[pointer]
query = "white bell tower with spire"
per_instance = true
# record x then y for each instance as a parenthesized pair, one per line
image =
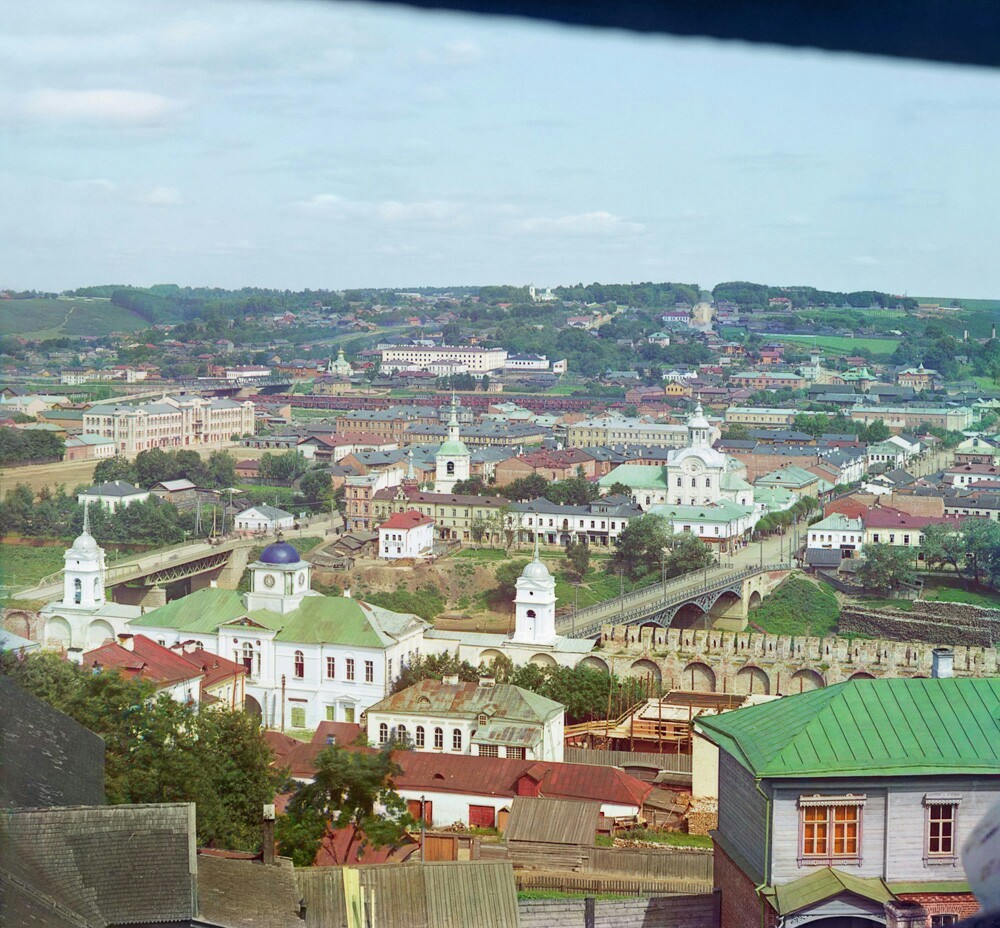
(535, 605)
(83, 575)
(453, 460)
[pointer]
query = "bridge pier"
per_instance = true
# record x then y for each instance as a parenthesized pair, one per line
(232, 571)
(149, 597)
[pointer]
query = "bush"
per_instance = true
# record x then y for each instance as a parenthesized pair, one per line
(798, 607)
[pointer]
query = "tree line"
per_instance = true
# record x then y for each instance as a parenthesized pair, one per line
(22, 446)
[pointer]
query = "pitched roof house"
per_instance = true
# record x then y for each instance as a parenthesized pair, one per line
(843, 800)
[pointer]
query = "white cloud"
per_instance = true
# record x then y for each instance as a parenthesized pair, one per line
(598, 223)
(161, 196)
(119, 107)
(386, 212)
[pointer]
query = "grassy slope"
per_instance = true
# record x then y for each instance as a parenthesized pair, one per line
(42, 318)
(798, 607)
(22, 566)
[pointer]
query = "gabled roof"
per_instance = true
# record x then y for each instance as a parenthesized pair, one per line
(146, 660)
(887, 727)
(502, 701)
(824, 884)
(553, 821)
(113, 488)
(407, 520)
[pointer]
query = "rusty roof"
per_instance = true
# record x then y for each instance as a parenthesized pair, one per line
(502, 701)
(553, 821)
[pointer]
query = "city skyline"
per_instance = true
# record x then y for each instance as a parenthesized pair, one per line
(339, 145)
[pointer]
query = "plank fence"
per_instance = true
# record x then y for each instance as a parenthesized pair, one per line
(601, 885)
(682, 864)
(680, 763)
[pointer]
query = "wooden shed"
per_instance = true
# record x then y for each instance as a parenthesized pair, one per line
(552, 834)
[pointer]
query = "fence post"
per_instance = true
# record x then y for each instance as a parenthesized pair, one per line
(589, 912)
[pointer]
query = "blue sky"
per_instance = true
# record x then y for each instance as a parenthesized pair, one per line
(301, 144)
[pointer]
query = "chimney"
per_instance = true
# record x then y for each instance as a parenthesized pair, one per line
(487, 681)
(450, 679)
(904, 914)
(942, 663)
(127, 641)
(267, 834)
(74, 655)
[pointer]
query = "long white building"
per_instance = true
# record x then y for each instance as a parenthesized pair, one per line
(476, 360)
(184, 422)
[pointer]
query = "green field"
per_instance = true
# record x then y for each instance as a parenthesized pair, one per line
(43, 318)
(974, 305)
(22, 566)
(835, 343)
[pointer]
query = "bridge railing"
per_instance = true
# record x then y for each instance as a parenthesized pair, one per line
(652, 599)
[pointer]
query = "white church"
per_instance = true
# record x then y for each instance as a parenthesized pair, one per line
(309, 657)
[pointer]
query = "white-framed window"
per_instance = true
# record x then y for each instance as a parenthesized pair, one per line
(483, 719)
(369, 671)
(830, 828)
(419, 740)
(383, 733)
(940, 821)
(300, 665)
(489, 750)
(331, 668)
(349, 668)
(438, 739)
(456, 740)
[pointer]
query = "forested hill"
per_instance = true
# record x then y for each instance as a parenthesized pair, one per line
(755, 296)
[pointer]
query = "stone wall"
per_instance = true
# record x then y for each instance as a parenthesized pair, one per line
(936, 623)
(24, 622)
(698, 911)
(742, 662)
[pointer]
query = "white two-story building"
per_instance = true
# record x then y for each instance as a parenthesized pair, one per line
(309, 657)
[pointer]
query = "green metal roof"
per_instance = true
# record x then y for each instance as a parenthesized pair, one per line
(453, 448)
(636, 476)
(887, 727)
(824, 884)
(722, 512)
(791, 476)
(318, 620)
(201, 612)
(731, 481)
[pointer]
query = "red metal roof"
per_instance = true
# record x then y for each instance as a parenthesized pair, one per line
(407, 520)
(216, 669)
(884, 517)
(490, 776)
(342, 732)
(146, 660)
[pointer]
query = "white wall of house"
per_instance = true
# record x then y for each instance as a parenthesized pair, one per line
(406, 543)
(252, 520)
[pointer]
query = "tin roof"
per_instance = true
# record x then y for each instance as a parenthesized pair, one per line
(887, 727)
(823, 884)
(501, 702)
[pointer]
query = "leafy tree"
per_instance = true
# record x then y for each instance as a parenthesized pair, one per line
(620, 489)
(158, 750)
(875, 432)
(525, 488)
(477, 529)
(736, 432)
(982, 549)
(19, 446)
(283, 467)
(687, 553)
(944, 545)
(574, 491)
(885, 567)
(578, 555)
(221, 470)
(433, 667)
(350, 788)
(474, 486)
(506, 576)
(639, 547)
(317, 487)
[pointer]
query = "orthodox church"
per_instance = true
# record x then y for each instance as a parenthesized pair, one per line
(309, 657)
(453, 459)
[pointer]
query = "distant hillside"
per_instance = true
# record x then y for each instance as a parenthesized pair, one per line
(69, 316)
(755, 296)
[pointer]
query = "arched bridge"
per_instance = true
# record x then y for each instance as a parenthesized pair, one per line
(131, 581)
(716, 598)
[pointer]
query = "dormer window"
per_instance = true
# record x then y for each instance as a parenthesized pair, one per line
(483, 719)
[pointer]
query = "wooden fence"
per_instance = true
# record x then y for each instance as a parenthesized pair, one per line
(689, 866)
(680, 763)
(599, 885)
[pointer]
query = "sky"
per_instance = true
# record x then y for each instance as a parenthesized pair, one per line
(334, 144)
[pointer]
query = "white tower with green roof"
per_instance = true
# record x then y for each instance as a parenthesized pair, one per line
(453, 460)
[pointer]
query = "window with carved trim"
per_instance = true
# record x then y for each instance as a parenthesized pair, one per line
(940, 818)
(830, 828)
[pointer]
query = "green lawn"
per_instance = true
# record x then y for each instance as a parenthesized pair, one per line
(44, 318)
(22, 567)
(987, 383)
(798, 607)
(835, 343)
